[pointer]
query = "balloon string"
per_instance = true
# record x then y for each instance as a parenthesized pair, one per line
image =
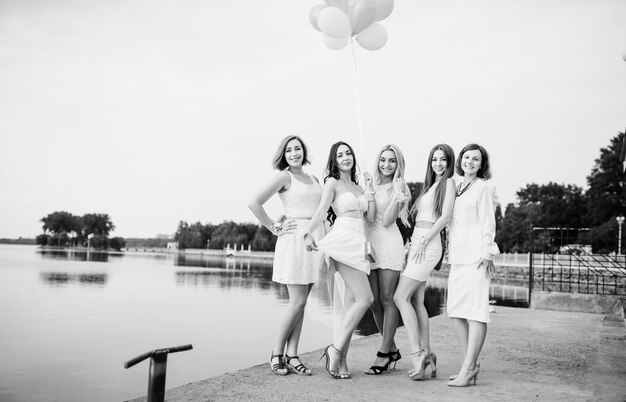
(358, 106)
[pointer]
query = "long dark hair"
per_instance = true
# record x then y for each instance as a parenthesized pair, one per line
(431, 178)
(332, 170)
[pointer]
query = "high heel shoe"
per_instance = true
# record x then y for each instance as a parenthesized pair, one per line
(464, 382)
(300, 369)
(432, 360)
(376, 370)
(452, 377)
(278, 368)
(346, 374)
(420, 360)
(394, 356)
(332, 368)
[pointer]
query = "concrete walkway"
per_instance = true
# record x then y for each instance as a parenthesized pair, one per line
(529, 355)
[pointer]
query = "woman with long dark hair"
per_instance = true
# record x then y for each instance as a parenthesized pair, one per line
(432, 210)
(344, 245)
(294, 266)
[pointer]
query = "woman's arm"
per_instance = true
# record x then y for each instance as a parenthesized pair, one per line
(278, 182)
(328, 194)
(487, 221)
(393, 208)
(370, 214)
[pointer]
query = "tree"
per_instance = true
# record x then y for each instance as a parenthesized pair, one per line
(606, 196)
(263, 240)
(228, 233)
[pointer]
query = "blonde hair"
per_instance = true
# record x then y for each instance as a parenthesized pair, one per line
(403, 214)
(431, 179)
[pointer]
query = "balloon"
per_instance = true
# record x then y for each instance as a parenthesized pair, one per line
(333, 22)
(624, 55)
(383, 9)
(336, 43)
(341, 4)
(314, 13)
(372, 38)
(362, 13)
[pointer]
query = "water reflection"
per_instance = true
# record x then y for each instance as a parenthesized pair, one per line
(63, 278)
(77, 255)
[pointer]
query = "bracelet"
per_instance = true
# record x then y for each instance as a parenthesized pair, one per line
(400, 197)
(422, 241)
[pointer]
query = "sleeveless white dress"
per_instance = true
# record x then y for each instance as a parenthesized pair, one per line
(345, 242)
(386, 241)
(293, 264)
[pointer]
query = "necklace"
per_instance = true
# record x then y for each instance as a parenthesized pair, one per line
(462, 189)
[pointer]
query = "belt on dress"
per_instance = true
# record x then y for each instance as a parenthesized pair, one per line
(298, 217)
(352, 214)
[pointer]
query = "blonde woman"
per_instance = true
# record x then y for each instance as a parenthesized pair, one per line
(391, 198)
(294, 266)
(432, 210)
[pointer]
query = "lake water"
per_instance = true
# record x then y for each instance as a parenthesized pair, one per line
(71, 319)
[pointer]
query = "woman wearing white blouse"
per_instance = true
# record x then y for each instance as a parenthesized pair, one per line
(470, 254)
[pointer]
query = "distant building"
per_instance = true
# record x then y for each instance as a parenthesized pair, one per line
(172, 246)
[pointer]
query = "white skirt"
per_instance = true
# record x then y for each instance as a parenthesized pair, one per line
(468, 292)
(420, 271)
(293, 264)
(345, 243)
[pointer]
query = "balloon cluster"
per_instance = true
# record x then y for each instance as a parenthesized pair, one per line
(341, 20)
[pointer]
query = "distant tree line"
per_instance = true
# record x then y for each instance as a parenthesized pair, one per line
(569, 206)
(21, 240)
(64, 229)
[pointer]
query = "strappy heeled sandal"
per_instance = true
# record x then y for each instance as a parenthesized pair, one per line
(394, 356)
(333, 369)
(300, 369)
(278, 368)
(376, 370)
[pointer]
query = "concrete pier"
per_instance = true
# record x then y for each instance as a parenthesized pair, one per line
(529, 355)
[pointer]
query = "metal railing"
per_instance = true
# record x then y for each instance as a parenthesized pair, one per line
(567, 262)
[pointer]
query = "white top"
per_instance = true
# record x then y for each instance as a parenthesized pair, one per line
(301, 200)
(473, 226)
(426, 206)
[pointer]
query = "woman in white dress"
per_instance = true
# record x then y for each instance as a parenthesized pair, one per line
(432, 211)
(392, 197)
(470, 254)
(344, 245)
(294, 266)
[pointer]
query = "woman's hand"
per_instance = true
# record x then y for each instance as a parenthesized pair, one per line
(287, 226)
(490, 268)
(418, 255)
(398, 185)
(369, 183)
(309, 243)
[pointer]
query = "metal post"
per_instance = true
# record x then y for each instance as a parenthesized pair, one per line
(619, 234)
(530, 267)
(158, 369)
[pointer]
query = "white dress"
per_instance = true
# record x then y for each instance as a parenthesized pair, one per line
(472, 232)
(345, 242)
(293, 264)
(386, 241)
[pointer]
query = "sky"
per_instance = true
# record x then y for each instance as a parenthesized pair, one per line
(160, 111)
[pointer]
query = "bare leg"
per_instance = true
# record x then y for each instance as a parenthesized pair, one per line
(356, 281)
(475, 342)
(402, 299)
(422, 318)
(289, 321)
(384, 283)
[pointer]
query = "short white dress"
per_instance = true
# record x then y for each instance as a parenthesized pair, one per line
(420, 271)
(472, 232)
(293, 264)
(345, 242)
(386, 240)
